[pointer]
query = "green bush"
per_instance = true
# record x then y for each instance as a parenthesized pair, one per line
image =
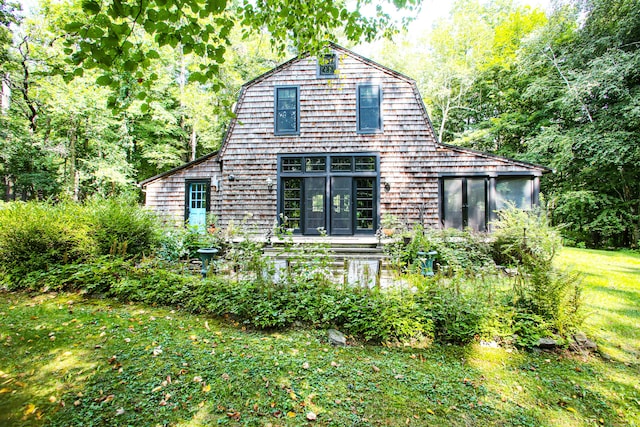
(525, 240)
(119, 226)
(39, 236)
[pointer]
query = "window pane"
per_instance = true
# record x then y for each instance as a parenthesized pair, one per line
(514, 190)
(287, 121)
(365, 164)
(291, 164)
(291, 203)
(286, 110)
(369, 108)
(315, 164)
(452, 204)
(341, 164)
(364, 203)
(327, 65)
(477, 204)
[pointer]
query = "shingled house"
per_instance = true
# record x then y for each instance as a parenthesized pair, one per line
(335, 144)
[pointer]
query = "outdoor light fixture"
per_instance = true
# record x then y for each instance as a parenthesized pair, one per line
(269, 184)
(232, 177)
(386, 186)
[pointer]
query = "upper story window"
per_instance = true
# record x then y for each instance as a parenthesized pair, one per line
(368, 115)
(287, 108)
(327, 65)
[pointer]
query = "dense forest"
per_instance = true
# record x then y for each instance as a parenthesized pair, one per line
(98, 96)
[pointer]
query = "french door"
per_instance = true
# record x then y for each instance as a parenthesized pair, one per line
(464, 203)
(334, 193)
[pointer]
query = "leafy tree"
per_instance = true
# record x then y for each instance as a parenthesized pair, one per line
(116, 33)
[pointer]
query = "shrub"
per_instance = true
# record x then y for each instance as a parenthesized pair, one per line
(38, 236)
(456, 307)
(528, 242)
(119, 226)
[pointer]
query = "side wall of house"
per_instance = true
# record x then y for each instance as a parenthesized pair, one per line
(166, 195)
(410, 159)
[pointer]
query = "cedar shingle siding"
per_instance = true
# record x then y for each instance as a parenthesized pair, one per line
(411, 159)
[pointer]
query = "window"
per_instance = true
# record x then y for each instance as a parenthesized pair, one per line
(287, 106)
(517, 191)
(368, 115)
(464, 203)
(327, 65)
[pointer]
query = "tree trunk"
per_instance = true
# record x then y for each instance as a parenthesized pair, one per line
(194, 142)
(73, 180)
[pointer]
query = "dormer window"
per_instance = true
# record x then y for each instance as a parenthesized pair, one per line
(327, 65)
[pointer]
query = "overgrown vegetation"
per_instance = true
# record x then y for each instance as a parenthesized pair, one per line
(66, 359)
(114, 248)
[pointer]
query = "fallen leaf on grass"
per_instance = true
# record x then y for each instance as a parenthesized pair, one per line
(375, 368)
(5, 390)
(206, 388)
(291, 414)
(30, 409)
(311, 416)
(120, 411)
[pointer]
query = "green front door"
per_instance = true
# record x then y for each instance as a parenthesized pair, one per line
(197, 204)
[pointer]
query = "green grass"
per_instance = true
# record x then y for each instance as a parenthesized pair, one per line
(101, 370)
(611, 299)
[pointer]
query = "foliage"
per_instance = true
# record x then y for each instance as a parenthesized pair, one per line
(457, 307)
(457, 251)
(41, 238)
(525, 240)
(120, 227)
(38, 236)
(109, 35)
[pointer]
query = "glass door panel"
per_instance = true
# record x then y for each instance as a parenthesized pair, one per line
(341, 205)
(314, 204)
(452, 209)
(365, 203)
(476, 204)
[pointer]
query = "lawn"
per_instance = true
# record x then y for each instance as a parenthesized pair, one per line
(66, 360)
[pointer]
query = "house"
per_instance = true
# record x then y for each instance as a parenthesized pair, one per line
(334, 144)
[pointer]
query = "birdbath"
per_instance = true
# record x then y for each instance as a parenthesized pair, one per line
(426, 262)
(206, 255)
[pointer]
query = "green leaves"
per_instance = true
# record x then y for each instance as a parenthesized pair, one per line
(91, 6)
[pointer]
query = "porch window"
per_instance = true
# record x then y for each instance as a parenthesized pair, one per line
(287, 107)
(516, 191)
(368, 114)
